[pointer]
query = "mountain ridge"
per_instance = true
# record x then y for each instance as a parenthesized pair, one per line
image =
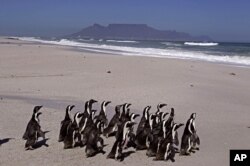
(134, 32)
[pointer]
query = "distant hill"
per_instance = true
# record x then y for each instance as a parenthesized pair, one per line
(134, 32)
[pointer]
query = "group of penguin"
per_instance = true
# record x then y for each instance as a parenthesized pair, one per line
(155, 133)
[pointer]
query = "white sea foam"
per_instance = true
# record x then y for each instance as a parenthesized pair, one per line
(171, 44)
(150, 52)
(122, 41)
(201, 44)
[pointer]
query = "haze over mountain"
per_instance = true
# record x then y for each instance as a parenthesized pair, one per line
(133, 32)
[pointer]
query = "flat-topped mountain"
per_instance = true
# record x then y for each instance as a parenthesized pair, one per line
(134, 32)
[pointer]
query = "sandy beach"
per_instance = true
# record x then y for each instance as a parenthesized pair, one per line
(55, 76)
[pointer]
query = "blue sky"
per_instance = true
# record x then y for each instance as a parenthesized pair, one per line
(223, 20)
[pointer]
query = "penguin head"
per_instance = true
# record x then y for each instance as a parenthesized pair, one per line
(104, 105)
(68, 112)
(118, 110)
(88, 105)
(193, 116)
(160, 105)
(133, 116)
(36, 114)
(172, 112)
(146, 112)
(37, 108)
(77, 118)
(126, 108)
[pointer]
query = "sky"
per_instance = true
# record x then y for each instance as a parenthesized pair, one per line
(222, 20)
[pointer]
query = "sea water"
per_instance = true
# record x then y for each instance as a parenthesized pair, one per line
(220, 52)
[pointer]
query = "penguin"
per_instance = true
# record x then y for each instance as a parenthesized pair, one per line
(123, 137)
(113, 124)
(65, 123)
(72, 135)
(143, 130)
(133, 116)
(189, 137)
(88, 107)
(143, 120)
(159, 107)
(166, 150)
(85, 129)
(95, 142)
(125, 115)
(103, 115)
(33, 129)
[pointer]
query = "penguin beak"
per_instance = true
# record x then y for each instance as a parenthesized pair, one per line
(163, 105)
(72, 106)
(92, 101)
(37, 108)
(128, 104)
(165, 114)
(137, 115)
(108, 102)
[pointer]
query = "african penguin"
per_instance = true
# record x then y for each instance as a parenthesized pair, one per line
(189, 137)
(33, 129)
(88, 107)
(143, 120)
(113, 124)
(72, 135)
(103, 115)
(123, 137)
(125, 112)
(65, 123)
(95, 142)
(166, 149)
(159, 107)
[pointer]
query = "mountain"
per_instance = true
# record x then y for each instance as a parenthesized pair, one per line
(134, 32)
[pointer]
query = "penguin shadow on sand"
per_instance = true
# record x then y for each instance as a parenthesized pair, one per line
(126, 154)
(5, 140)
(40, 143)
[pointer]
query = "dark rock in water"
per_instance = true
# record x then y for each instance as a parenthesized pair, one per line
(109, 71)
(133, 32)
(192, 85)
(232, 74)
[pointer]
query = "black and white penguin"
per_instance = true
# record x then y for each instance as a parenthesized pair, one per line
(166, 149)
(73, 134)
(103, 115)
(125, 115)
(143, 120)
(113, 124)
(143, 130)
(88, 107)
(85, 129)
(65, 123)
(95, 142)
(190, 138)
(33, 129)
(157, 113)
(123, 137)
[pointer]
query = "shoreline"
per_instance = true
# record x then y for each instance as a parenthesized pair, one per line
(98, 50)
(55, 76)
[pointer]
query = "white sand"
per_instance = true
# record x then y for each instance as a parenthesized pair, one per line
(55, 76)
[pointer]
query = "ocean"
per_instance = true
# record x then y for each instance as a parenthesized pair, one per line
(221, 52)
